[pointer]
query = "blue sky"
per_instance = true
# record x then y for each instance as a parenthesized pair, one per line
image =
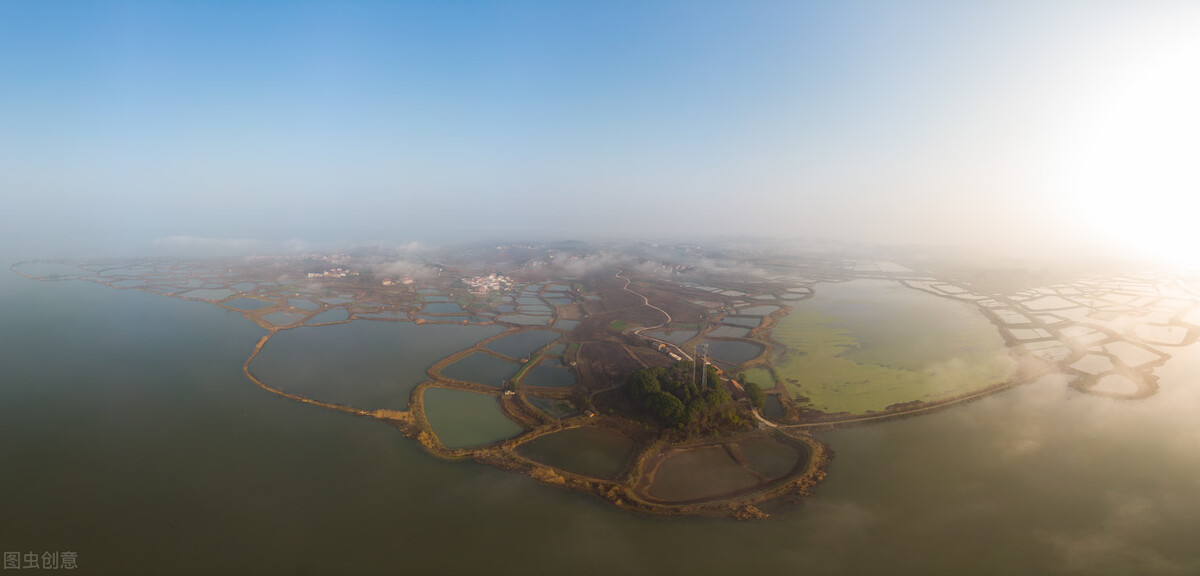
(123, 123)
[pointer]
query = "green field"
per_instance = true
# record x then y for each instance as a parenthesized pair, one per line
(762, 377)
(863, 345)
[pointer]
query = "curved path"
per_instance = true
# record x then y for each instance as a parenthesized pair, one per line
(646, 301)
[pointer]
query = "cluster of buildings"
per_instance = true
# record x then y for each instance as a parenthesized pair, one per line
(489, 283)
(338, 272)
(403, 281)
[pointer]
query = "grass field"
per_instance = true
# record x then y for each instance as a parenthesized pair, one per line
(864, 345)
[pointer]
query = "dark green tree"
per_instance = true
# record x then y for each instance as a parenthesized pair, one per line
(756, 395)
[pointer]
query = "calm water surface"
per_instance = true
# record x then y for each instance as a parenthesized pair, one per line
(592, 451)
(131, 437)
(462, 419)
(523, 344)
(363, 364)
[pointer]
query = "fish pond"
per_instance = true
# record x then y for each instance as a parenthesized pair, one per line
(366, 365)
(524, 320)
(733, 352)
(247, 304)
(549, 373)
(481, 368)
(331, 315)
(523, 344)
(747, 321)
(463, 419)
(586, 450)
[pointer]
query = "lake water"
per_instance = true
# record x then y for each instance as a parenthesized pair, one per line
(132, 438)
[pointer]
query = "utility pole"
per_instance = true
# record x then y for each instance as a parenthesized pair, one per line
(697, 358)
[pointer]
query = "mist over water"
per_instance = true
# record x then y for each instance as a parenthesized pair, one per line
(144, 448)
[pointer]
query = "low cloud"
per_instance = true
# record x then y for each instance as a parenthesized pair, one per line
(729, 267)
(208, 243)
(409, 268)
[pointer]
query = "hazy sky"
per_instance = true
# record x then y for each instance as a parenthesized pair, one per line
(144, 126)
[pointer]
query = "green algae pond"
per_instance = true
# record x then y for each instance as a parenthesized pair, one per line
(866, 344)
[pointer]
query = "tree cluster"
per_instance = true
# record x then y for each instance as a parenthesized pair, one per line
(753, 391)
(677, 398)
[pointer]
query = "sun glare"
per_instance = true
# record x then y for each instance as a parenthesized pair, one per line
(1133, 170)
